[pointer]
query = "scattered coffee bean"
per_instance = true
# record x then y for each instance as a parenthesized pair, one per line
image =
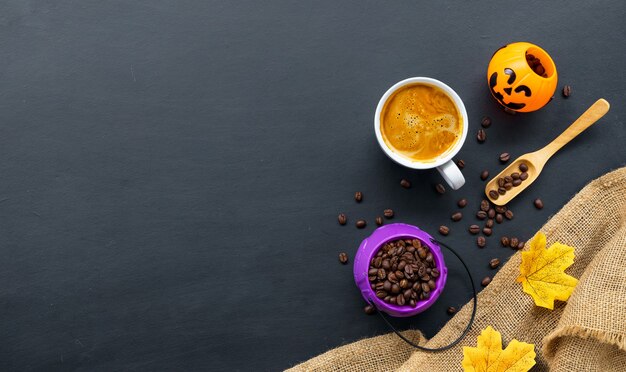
(379, 221)
(481, 215)
(489, 223)
(342, 219)
(444, 230)
(481, 136)
(369, 310)
(358, 196)
(405, 183)
(505, 241)
(538, 203)
(485, 282)
(361, 224)
(523, 176)
(494, 263)
(484, 205)
(343, 258)
(493, 194)
(504, 157)
(484, 175)
(567, 91)
(474, 229)
(486, 122)
(499, 218)
(440, 188)
(456, 216)
(508, 214)
(509, 111)
(520, 245)
(451, 310)
(514, 243)
(487, 231)
(500, 209)
(491, 213)
(388, 213)
(481, 242)
(462, 203)
(461, 163)
(523, 167)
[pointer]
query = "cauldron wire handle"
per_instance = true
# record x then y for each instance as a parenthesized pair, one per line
(469, 325)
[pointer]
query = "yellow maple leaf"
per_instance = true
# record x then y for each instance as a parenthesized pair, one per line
(542, 272)
(488, 356)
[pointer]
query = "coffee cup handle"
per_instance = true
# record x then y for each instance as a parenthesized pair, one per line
(452, 174)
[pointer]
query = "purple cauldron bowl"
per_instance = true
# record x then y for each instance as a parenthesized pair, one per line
(368, 248)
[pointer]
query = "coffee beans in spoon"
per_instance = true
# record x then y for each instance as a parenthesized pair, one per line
(403, 272)
(508, 182)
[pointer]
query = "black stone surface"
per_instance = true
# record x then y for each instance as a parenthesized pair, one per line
(171, 171)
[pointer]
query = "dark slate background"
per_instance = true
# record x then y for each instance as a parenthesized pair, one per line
(171, 171)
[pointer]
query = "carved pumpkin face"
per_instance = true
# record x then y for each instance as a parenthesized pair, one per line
(514, 84)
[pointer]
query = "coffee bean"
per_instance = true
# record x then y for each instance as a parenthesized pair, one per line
(421, 252)
(395, 288)
(369, 309)
(509, 111)
(489, 223)
(520, 245)
(444, 230)
(540, 70)
(481, 136)
(429, 257)
(342, 219)
(523, 167)
(487, 231)
(425, 287)
(501, 182)
(392, 300)
(451, 310)
(372, 271)
(517, 182)
(481, 242)
(508, 214)
(500, 209)
(567, 91)
(509, 185)
(501, 190)
(404, 284)
(538, 203)
(493, 194)
(379, 221)
(381, 294)
(361, 224)
(343, 258)
(462, 203)
(523, 176)
(474, 229)
(432, 284)
(440, 188)
(358, 196)
(412, 303)
(499, 218)
(494, 263)
(382, 274)
(460, 163)
(485, 282)
(505, 241)
(387, 285)
(435, 273)
(378, 261)
(400, 300)
(484, 175)
(486, 122)
(388, 213)
(456, 216)
(481, 215)
(484, 205)
(491, 213)
(515, 175)
(405, 183)
(504, 157)
(514, 243)
(416, 243)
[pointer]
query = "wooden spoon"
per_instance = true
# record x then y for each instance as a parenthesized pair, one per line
(536, 160)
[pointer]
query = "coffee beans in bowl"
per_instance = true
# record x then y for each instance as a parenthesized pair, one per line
(403, 272)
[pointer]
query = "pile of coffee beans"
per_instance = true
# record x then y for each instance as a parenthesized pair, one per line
(508, 182)
(535, 65)
(403, 272)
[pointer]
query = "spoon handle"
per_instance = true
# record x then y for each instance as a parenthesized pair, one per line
(593, 114)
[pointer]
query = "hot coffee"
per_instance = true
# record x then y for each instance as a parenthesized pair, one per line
(420, 122)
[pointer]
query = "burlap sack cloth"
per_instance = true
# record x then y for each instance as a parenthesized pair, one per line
(588, 333)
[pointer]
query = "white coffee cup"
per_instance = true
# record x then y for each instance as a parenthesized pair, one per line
(444, 164)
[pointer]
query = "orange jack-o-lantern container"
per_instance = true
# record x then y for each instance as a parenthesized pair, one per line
(522, 77)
